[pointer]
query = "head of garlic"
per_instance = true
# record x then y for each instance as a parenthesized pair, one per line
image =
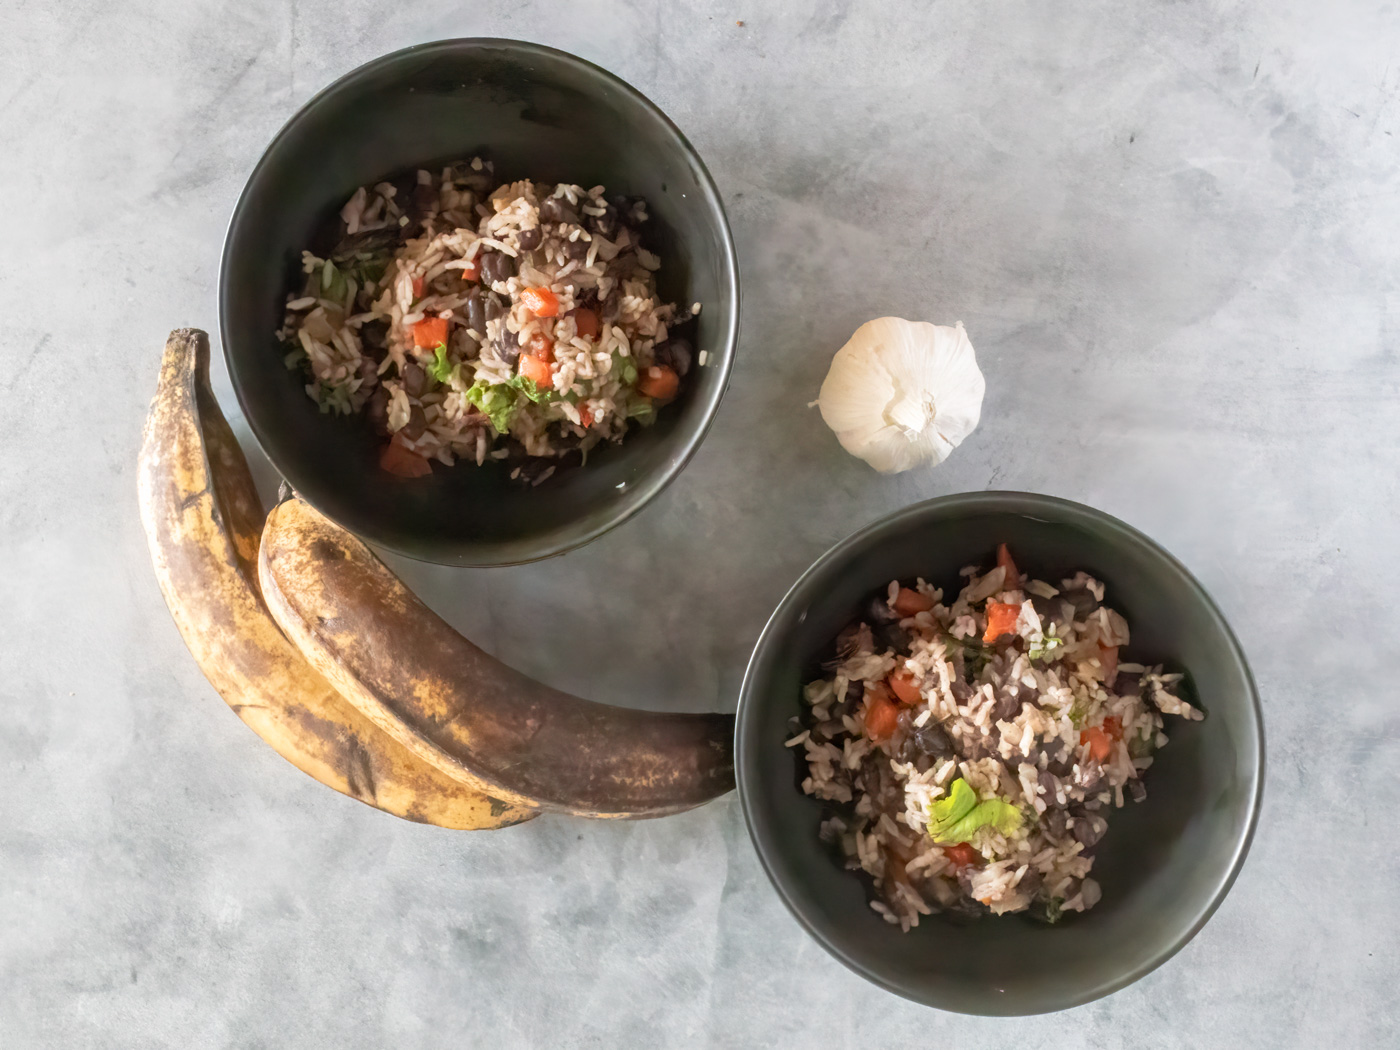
(902, 393)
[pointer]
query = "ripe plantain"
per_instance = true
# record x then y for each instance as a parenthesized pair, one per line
(203, 522)
(465, 712)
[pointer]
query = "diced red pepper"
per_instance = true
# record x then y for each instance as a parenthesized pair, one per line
(1001, 619)
(1100, 746)
(909, 602)
(533, 368)
(470, 272)
(881, 715)
(585, 416)
(904, 687)
(398, 460)
(586, 321)
(429, 332)
(542, 346)
(418, 287)
(1113, 726)
(1013, 577)
(1108, 660)
(659, 382)
(540, 301)
(962, 855)
(896, 870)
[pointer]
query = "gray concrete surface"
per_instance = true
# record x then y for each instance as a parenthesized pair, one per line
(1171, 232)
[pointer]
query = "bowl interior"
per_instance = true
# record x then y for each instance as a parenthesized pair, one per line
(1164, 864)
(538, 114)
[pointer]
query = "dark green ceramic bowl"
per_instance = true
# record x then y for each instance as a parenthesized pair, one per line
(1164, 865)
(539, 114)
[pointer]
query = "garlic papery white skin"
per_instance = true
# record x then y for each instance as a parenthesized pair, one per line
(902, 393)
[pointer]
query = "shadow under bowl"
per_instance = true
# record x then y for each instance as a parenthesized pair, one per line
(1165, 864)
(538, 114)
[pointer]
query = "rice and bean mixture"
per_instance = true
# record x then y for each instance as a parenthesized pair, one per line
(480, 321)
(971, 750)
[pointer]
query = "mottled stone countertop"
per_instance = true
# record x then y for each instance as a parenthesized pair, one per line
(1171, 231)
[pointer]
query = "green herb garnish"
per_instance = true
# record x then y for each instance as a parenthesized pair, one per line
(333, 284)
(530, 389)
(497, 400)
(440, 369)
(959, 816)
(1050, 911)
(1143, 744)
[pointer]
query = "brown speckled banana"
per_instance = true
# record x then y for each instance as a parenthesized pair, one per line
(465, 712)
(204, 522)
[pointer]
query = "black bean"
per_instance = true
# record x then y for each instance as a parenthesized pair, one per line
(676, 354)
(848, 640)
(377, 410)
(508, 345)
(368, 369)
(415, 380)
(933, 740)
(425, 198)
(587, 298)
(1089, 778)
(855, 693)
(1046, 608)
(1058, 759)
(606, 224)
(577, 250)
(965, 879)
(1137, 790)
(905, 749)
(1128, 683)
(612, 306)
(530, 239)
(476, 312)
(1082, 601)
(375, 336)
(495, 266)
(1030, 882)
(1053, 823)
(555, 210)
(494, 309)
(1008, 706)
(893, 636)
(1088, 829)
(1049, 784)
(417, 423)
(479, 181)
(962, 691)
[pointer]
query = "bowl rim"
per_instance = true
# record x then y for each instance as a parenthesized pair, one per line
(652, 482)
(1027, 503)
